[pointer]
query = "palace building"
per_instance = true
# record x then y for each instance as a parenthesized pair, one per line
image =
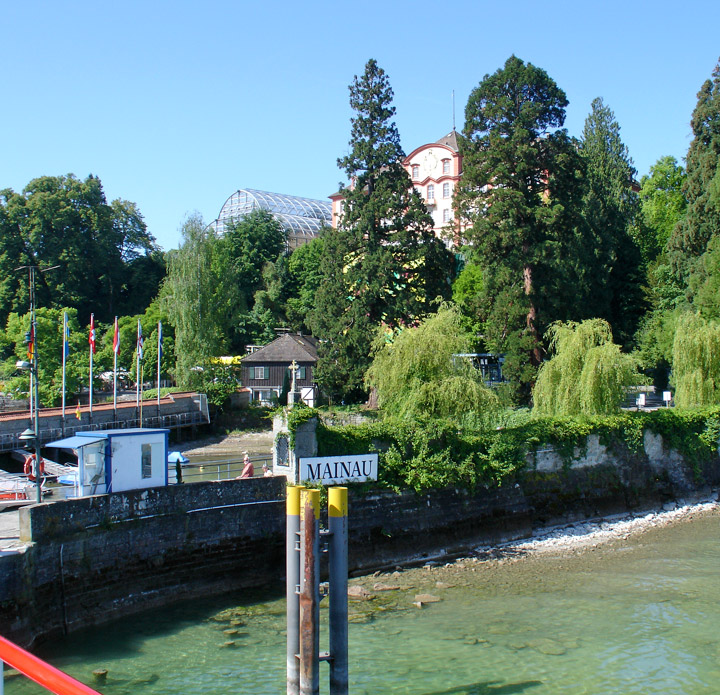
(435, 169)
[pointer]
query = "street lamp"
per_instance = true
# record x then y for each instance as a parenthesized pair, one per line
(31, 437)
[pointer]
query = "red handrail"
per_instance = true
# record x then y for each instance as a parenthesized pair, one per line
(49, 677)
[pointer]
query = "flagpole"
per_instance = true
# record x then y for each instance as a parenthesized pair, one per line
(92, 350)
(64, 363)
(158, 366)
(116, 348)
(138, 350)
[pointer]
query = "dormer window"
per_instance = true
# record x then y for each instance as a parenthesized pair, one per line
(446, 166)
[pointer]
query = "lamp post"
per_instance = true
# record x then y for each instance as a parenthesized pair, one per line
(32, 366)
(29, 436)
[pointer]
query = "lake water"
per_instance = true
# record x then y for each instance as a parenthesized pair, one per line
(637, 616)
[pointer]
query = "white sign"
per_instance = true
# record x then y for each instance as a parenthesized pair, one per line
(667, 396)
(330, 470)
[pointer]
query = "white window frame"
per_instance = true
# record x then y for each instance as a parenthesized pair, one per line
(446, 190)
(446, 215)
(446, 166)
(415, 172)
(431, 192)
(263, 371)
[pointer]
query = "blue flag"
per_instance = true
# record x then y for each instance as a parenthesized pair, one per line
(66, 335)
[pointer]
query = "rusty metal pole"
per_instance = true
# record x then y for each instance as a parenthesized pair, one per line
(310, 593)
(292, 581)
(338, 576)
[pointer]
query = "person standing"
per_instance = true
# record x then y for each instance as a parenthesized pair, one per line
(248, 469)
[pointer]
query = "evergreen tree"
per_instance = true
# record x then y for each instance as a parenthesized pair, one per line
(520, 178)
(701, 223)
(610, 208)
(383, 263)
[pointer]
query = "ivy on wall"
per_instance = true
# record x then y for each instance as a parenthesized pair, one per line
(432, 454)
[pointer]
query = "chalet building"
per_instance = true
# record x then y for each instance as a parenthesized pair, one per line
(264, 370)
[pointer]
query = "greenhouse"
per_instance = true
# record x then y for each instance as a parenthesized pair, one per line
(301, 218)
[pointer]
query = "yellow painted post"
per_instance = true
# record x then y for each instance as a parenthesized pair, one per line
(292, 587)
(338, 581)
(310, 593)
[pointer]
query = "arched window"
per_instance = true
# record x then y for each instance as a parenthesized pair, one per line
(431, 192)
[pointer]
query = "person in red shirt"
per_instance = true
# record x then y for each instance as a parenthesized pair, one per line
(248, 469)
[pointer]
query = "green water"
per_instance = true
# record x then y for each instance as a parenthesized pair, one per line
(637, 616)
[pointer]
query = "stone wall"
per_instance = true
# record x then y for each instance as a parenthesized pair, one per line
(92, 559)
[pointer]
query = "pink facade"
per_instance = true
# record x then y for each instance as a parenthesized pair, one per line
(435, 169)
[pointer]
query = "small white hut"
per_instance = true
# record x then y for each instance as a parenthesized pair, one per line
(118, 460)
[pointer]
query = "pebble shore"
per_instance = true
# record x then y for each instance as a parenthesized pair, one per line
(595, 532)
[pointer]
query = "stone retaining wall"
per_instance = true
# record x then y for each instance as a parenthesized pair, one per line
(92, 559)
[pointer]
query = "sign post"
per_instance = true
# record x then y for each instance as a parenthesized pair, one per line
(336, 470)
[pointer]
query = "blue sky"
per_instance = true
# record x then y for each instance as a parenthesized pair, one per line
(175, 105)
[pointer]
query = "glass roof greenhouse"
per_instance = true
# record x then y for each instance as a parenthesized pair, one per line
(301, 218)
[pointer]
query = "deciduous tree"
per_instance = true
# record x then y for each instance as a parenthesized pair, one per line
(587, 374)
(417, 372)
(696, 361)
(65, 221)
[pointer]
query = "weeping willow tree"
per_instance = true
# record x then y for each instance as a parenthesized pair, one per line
(193, 296)
(588, 373)
(414, 371)
(696, 361)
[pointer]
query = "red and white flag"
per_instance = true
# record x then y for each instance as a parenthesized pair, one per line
(91, 340)
(116, 338)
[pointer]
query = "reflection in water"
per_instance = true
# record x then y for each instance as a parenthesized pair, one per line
(637, 618)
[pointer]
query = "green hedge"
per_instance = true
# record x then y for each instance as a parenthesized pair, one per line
(433, 454)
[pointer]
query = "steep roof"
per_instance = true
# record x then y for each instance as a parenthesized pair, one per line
(286, 348)
(450, 140)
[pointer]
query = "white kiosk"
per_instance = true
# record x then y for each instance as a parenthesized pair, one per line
(118, 460)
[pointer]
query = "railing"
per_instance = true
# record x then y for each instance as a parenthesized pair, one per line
(10, 441)
(215, 470)
(49, 677)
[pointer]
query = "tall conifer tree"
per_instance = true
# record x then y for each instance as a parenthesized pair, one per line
(520, 175)
(383, 264)
(701, 223)
(611, 207)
